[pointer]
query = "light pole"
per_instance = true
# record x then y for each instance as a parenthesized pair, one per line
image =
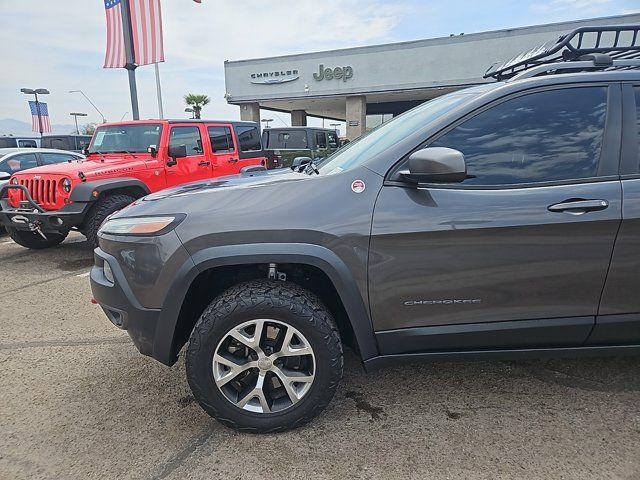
(104, 120)
(75, 116)
(266, 122)
(41, 91)
(191, 111)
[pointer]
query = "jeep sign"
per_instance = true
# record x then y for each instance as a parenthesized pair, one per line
(337, 73)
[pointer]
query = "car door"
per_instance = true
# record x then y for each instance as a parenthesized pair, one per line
(224, 155)
(618, 319)
(517, 254)
(195, 166)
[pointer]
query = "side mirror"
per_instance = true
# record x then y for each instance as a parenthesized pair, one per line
(175, 152)
(436, 165)
(5, 176)
(152, 150)
(299, 162)
(85, 151)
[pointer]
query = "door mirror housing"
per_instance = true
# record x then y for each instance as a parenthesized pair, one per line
(436, 165)
(5, 176)
(175, 152)
(299, 162)
(153, 151)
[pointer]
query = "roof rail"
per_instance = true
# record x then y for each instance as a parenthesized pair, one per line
(595, 44)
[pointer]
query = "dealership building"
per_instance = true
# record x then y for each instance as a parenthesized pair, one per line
(364, 86)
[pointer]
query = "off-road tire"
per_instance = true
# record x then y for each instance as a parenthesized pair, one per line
(103, 207)
(268, 299)
(34, 240)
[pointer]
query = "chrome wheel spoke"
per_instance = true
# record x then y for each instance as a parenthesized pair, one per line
(289, 350)
(252, 341)
(225, 370)
(295, 383)
(257, 393)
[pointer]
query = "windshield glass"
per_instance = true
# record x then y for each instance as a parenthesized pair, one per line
(125, 138)
(382, 137)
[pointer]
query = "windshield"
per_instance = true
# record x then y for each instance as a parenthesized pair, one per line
(387, 134)
(125, 138)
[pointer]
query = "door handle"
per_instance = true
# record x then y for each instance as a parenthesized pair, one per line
(204, 164)
(578, 206)
(232, 160)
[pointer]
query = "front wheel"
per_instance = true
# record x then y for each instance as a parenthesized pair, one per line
(103, 207)
(34, 240)
(265, 356)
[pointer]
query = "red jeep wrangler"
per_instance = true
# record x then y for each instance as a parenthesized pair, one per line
(125, 161)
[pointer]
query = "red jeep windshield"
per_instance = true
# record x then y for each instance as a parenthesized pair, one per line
(125, 138)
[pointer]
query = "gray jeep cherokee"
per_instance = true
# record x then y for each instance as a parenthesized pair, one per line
(500, 221)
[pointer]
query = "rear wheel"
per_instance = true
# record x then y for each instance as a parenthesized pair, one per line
(264, 357)
(34, 240)
(104, 207)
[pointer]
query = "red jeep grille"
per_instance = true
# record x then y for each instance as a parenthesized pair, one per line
(41, 190)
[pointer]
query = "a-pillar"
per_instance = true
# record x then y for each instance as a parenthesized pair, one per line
(298, 118)
(356, 116)
(250, 112)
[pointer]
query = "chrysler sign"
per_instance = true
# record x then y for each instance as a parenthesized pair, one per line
(269, 78)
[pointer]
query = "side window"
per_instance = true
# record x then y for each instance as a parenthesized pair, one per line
(248, 138)
(187, 136)
(333, 140)
(27, 143)
(321, 140)
(540, 137)
(20, 162)
(49, 158)
(221, 139)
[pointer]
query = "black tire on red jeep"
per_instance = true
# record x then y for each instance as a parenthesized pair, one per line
(104, 206)
(265, 356)
(34, 240)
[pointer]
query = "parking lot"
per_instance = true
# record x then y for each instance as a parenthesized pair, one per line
(78, 401)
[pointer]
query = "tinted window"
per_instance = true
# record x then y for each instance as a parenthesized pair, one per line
(221, 139)
(8, 143)
(321, 140)
(61, 143)
(637, 90)
(541, 137)
(19, 162)
(248, 138)
(49, 158)
(333, 140)
(282, 140)
(187, 136)
(27, 143)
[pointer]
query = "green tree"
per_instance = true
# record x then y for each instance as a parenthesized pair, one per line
(88, 129)
(196, 102)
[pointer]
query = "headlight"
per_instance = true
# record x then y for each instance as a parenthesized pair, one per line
(66, 185)
(141, 225)
(14, 181)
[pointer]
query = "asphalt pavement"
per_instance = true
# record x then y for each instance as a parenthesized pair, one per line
(78, 401)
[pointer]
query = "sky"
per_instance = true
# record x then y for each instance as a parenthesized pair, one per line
(59, 45)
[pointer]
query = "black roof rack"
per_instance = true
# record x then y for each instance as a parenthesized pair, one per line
(617, 42)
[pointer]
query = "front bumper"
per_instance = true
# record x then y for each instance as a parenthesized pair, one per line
(31, 217)
(121, 306)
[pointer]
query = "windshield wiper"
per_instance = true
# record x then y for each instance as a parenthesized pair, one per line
(310, 168)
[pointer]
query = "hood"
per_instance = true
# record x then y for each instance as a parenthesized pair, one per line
(232, 182)
(91, 167)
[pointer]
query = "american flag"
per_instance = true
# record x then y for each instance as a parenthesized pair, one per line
(42, 120)
(146, 25)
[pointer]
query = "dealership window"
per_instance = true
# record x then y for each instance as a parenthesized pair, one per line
(221, 139)
(248, 138)
(375, 119)
(546, 136)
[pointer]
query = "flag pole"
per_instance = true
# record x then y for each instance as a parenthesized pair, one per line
(39, 116)
(159, 91)
(130, 57)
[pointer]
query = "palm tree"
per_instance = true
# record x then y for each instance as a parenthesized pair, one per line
(196, 102)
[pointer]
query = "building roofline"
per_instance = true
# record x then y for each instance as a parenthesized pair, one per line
(470, 37)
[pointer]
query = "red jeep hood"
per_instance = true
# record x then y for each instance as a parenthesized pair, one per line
(114, 165)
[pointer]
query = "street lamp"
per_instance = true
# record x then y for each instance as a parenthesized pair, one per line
(191, 111)
(104, 120)
(41, 91)
(75, 116)
(266, 122)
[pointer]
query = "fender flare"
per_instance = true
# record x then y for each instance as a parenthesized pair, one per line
(83, 192)
(307, 254)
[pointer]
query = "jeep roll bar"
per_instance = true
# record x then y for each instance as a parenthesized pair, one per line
(592, 47)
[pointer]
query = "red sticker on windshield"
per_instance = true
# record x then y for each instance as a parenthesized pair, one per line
(358, 186)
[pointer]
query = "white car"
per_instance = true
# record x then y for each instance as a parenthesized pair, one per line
(13, 160)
